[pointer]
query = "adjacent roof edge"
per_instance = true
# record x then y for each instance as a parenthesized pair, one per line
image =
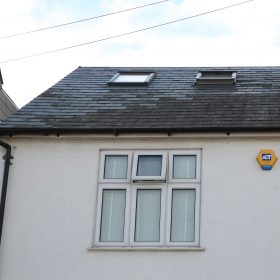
(10, 99)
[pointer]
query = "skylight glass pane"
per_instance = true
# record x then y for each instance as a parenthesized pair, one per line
(184, 167)
(113, 216)
(183, 216)
(131, 78)
(115, 167)
(216, 77)
(147, 226)
(149, 165)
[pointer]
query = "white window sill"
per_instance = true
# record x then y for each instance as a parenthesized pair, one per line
(174, 248)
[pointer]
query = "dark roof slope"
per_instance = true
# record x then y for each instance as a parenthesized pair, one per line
(83, 102)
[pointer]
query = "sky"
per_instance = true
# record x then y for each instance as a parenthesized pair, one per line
(245, 35)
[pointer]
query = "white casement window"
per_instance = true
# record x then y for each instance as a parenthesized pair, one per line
(184, 166)
(147, 215)
(115, 167)
(183, 215)
(112, 215)
(148, 199)
(149, 166)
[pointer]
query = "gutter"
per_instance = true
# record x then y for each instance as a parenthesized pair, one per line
(131, 130)
(4, 184)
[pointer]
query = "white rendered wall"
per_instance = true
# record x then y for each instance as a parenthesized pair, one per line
(50, 212)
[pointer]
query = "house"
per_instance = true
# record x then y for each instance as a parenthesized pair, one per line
(144, 173)
(7, 106)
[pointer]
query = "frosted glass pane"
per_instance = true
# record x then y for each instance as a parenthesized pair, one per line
(183, 215)
(147, 226)
(149, 165)
(184, 167)
(131, 78)
(115, 167)
(113, 216)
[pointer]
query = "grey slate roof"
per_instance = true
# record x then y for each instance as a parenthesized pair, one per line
(83, 102)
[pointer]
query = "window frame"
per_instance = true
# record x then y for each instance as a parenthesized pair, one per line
(135, 188)
(216, 77)
(196, 153)
(160, 178)
(99, 215)
(182, 186)
(166, 184)
(103, 155)
(150, 75)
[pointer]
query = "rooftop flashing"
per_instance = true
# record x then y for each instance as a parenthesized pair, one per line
(216, 78)
(131, 78)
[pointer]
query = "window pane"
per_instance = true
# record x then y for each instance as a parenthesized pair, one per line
(115, 167)
(183, 215)
(149, 165)
(131, 78)
(184, 167)
(113, 216)
(147, 226)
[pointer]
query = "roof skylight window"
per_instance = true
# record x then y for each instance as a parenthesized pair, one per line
(132, 78)
(216, 78)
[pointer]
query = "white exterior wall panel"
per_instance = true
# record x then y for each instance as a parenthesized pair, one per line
(50, 213)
